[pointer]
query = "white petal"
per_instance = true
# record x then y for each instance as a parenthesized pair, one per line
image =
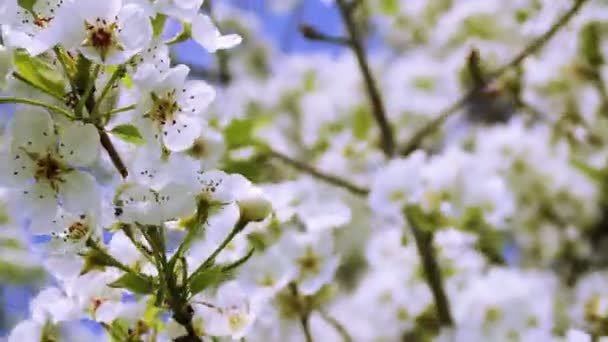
(135, 28)
(79, 144)
(26, 331)
(33, 131)
(64, 29)
(196, 97)
(176, 77)
(176, 201)
(206, 33)
(42, 202)
(181, 135)
(16, 169)
(79, 193)
(90, 10)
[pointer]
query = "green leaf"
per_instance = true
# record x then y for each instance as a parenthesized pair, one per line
(389, 7)
(589, 44)
(40, 73)
(208, 278)
(135, 283)
(594, 174)
(128, 133)
(158, 24)
(118, 330)
(27, 4)
(362, 122)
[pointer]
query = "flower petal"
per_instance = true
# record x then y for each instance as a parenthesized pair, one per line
(79, 144)
(181, 135)
(195, 97)
(79, 193)
(33, 131)
(206, 33)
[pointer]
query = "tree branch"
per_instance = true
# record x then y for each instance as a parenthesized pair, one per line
(331, 179)
(532, 48)
(432, 272)
(311, 33)
(388, 142)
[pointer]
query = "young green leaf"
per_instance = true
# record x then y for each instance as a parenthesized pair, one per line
(39, 73)
(208, 278)
(128, 133)
(135, 283)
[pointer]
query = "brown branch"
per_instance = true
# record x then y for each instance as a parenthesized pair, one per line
(107, 144)
(331, 179)
(311, 33)
(532, 48)
(432, 272)
(378, 110)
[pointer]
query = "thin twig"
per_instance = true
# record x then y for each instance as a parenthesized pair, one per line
(331, 179)
(378, 110)
(530, 49)
(336, 325)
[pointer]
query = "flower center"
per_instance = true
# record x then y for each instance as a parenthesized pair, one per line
(50, 169)
(164, 108)
(42, 21)
(102, 36)
(198, 149)
(309, 262)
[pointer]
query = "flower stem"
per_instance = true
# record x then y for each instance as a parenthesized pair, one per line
(336, 325)
(87, 91)
(118, 73)
(36, 104)
(378, 109)
(108, 115)
(304, 314)
(211, 258)
(415, 141)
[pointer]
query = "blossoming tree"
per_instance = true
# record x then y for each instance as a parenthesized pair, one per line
(446, 186)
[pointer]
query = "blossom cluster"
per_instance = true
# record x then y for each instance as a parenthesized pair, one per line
(268, 201)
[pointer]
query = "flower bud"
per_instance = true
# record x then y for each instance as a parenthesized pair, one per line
(254, 206)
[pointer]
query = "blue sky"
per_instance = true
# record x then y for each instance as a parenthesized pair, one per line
(281, 29)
